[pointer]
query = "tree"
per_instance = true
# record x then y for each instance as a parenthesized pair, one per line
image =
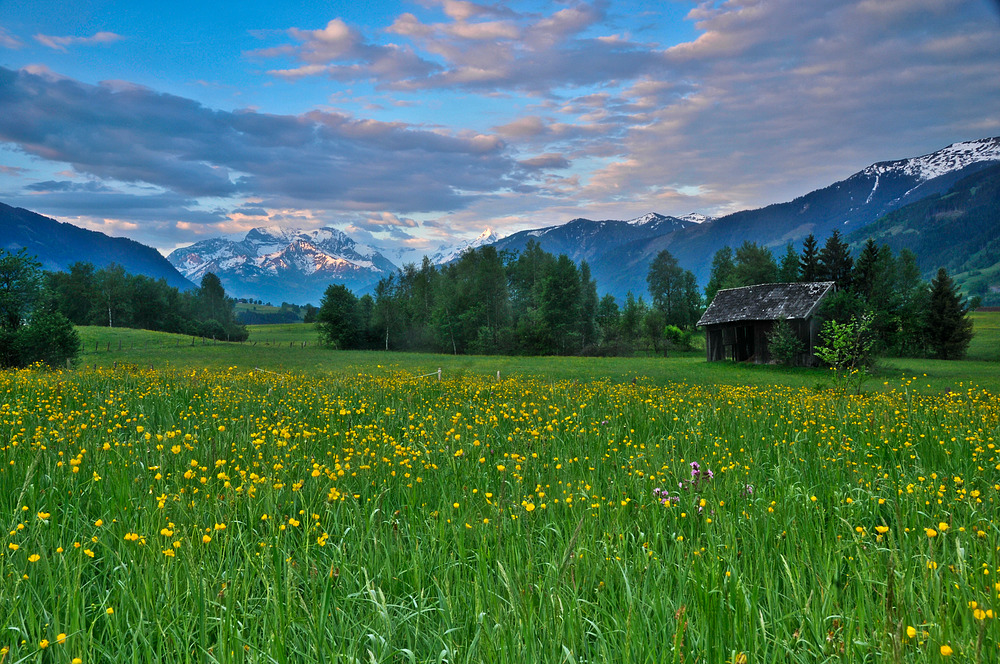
(788, 270)
(560, 305)
(949, 328)
(49, 338)
(835, 262)
(631, 318)
(722, 273)
(337, 320)
(20, 284)
(30, 333)
(674, 290)
(809, 262)
(848, 350)
(754, 265)
(784, 344)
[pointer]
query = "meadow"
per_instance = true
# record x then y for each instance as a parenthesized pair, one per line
(273, 501)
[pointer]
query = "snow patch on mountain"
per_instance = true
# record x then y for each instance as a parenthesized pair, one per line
(696, 218)
(952, 158)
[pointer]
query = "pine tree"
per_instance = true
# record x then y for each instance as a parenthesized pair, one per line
(788, 271)
(949, 328)
(809, 263)
(835, 263)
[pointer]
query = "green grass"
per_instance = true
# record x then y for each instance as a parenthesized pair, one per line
(476, 520)
(294, 347)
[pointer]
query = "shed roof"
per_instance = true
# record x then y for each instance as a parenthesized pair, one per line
(766, 302)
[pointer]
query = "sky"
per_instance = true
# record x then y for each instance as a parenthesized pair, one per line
(411, 125)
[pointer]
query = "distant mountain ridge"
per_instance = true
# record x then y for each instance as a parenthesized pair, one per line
(283, 265)
(58, 245)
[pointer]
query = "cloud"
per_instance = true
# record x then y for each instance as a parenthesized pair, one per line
(545, 161)
(61, 43)
(384, 221)
(8, 40)
(478, 47)
(775, 99)
(326, 160)
(341, 52)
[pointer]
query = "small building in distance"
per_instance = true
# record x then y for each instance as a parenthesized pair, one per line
(738, 320)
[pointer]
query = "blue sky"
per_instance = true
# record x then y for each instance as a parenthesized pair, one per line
(415, 124)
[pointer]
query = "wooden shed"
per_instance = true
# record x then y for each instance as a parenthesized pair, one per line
(738, 320)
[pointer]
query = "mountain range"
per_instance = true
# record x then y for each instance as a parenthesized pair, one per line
(939, 204)
(283, 265)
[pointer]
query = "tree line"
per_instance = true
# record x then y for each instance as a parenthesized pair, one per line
(535, 303)
(38, 309)
(489, 302)
(111, 297)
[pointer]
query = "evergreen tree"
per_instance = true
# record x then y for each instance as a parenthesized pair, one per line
(788, 271)
(809, 262)
(949, 328)
(909, 336)
(835, 262)
(608, 319)
(588, 308)
(631, 319)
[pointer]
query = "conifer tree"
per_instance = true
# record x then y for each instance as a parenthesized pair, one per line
(949, 328)
(788, 270)
(809, 262)
(835, 261)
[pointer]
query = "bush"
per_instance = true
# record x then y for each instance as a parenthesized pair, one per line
(49, 338)
(848, 350)
(784, 344)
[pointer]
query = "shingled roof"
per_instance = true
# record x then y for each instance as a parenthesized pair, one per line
(766, 302)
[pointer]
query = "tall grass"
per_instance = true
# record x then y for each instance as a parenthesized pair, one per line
(240, 515)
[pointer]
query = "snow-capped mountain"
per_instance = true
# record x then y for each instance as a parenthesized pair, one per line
(279, 264)
(696, 218)
(448, 253)
(952, 158)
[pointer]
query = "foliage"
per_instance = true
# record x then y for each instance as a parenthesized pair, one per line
(111, 296)
(754, 265)
(721, 276)
(788, 270)
(674, 291)
(949, 328)
(338, 321)
(835, 262)
(29, 331)
(784, 344)
(848, 350)
(809, 269)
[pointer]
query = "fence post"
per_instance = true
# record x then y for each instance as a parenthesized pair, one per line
(439, 374)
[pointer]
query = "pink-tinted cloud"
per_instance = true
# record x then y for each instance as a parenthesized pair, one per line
(62, 43)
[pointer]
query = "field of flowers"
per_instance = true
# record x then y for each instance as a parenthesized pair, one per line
(248, 516)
